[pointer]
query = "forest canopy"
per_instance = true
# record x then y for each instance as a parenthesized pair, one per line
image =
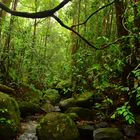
(51, 13)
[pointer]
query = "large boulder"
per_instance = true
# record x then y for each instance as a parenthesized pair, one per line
(57, 126)
(86, 131)
(129, 130)
(48, 108)
(9, 117)
(83, 113)
(28, 93)
(65, 104)
(28, 99)
(82, 100)
(28, 108)
(107, 134)
(85, 100)
(52, 96)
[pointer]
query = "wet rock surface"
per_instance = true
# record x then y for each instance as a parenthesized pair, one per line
(86, 132)
(129, 131)
(80, 121)
(83, 113)
(107, 134)
(57, 126)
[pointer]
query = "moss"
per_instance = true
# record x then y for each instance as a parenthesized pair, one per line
(52, 95)
(10, 117)
(73, 116)
(29, 101)
(57, 126)
(85, 99)
(28, 108)
(48, 108)
(28, 94)
(86, 95)
(83, 113)
(65, 104)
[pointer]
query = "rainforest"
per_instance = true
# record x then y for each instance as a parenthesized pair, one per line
(69, 70)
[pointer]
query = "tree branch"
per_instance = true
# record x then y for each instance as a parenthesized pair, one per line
(114, 42)
(50, 13)
(94, 14)
(69, 28)
(42, 14)
(84, 39)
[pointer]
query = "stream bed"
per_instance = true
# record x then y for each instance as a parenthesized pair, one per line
(28, 128)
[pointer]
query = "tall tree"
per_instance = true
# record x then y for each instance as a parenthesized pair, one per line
(5, 60)
(3, 13)
(137, 29)
(122, 32)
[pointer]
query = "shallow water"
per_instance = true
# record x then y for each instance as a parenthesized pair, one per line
(29, 130)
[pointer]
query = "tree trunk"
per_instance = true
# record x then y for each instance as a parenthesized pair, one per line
(75, 40)
(121, 31)
(35, 27)
(5, 58)
(3, 13)
(120, 9)
(137, 31)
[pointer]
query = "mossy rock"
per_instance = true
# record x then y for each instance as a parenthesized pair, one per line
(82, 100)
(73, 116)
(65, 104)
(107, 134)
(65, 88)
(9, 117)
(83, 113)
(57, 126)
(85, 99)
(28, 93)
(86, 131)
(29, 108)
(48, 108)
(51, 95)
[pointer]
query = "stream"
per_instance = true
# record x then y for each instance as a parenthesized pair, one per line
(28, 128)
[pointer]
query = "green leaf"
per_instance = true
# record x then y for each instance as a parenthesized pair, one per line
(124, 89)
(131, 121)
(125, 113)
(138, 103)
(113, 116)
(127, 117)
(120, 112)
(138, 95)
(9, 122)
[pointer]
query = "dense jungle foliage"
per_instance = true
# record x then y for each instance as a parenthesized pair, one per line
(79, 46)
